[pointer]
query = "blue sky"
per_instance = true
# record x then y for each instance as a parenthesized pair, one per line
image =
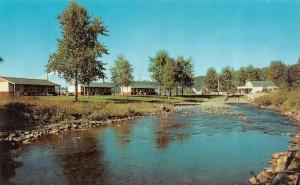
(214, 33)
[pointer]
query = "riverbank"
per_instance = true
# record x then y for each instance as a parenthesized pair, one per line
(56, 115)
(284, 167)
(286, 102)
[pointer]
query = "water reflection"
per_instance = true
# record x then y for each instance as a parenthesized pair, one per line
(191, 147)
(8, 163)
(168, 131)
(81, 159)
(122, 133)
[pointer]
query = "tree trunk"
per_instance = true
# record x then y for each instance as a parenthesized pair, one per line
(88, 90)
(170, 92)
(159, 90)
(176, 90)
(76, 89)
(182, 90)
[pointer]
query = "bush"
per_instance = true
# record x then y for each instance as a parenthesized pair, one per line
(282, 100)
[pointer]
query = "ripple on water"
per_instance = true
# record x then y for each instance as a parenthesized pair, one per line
(194, 147)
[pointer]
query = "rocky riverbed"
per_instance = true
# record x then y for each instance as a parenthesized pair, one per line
(284, 167)
(27, 136)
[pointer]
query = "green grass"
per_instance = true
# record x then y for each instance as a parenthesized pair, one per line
(62, 109)
(282, 100)
(123, 99)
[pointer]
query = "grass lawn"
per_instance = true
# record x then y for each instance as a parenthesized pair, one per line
(123, 99)
(61, 109)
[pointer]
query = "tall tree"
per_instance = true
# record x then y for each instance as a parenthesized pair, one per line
(211, 79)
(184, 73)
(168, 80)
(278, 73)
(121, 72)
(227, 80)
(265, 73)
(248, 73)
(156, 66)
(76, 58)
(242, 76)
(294, 75)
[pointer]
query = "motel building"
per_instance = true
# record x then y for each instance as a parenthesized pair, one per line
(27, 87)
(140, 88)
(92, 89)
(254, 87)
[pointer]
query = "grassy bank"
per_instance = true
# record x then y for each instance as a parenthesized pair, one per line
(60, 109)
(281, 100)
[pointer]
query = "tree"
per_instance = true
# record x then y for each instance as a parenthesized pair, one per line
(294, 75)
(121, 73)
(249, 73)
(278, 73)
(156, 66)
(76, 58)
(184, 73)
(168, 74)
(211, 79)
(227, 82)
(1, 59)
(242, 76)
(265, 73)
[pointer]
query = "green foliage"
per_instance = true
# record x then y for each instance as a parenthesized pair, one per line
(168, 80)
(294, 75)
(184, 72)
(211, 80)
(227, 80)
(156, 66)
(281, 99)
(278, 73)
(78, 50)
(121, 73)
(249, 73)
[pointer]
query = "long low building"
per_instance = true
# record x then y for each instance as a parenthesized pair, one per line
(27, 87)
(140, 88)
(92, 89)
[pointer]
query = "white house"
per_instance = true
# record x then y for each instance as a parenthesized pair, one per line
(253, 87)
(27, 87)
(140, 88)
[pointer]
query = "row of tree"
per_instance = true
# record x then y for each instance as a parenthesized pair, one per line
(167, 72)
(79, 51)
(286, 76)
(170, 73)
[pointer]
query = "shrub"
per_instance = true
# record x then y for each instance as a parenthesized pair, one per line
(282, 99)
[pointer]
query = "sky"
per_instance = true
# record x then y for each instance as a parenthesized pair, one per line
(215, 33)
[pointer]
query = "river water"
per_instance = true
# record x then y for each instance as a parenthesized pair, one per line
(190, 147)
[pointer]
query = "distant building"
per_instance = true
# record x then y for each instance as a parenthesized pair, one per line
(253, 87)
(140, 88)
(27, 87)
(92, 89)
